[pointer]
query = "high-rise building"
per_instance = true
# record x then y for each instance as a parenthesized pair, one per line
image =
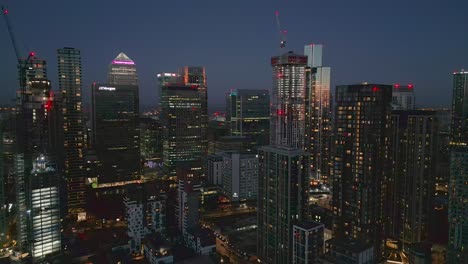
(318, 109)
(215, 169)
(403, 97)
(248, 114)
(459, 125)
(182, 119)
(116, 132)
(122, 71)
(145, 214)
(151, 139)
(411, 188)
(458, 189)
(44, 209)
(308, 242)
(361, 162)
(69, 75)
(240, 176)
(283, 166)
(458, 209)
(188, 205)
(3, 193)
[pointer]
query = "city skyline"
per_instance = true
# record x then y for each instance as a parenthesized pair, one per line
(424, 38)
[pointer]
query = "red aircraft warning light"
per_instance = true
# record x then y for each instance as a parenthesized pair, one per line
(375, 89)
(410, 86)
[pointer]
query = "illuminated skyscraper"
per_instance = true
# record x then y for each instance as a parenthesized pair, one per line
(283, 166)
(183, 130)
(44, 209)
(318, 109)
(361, 162)
(248, 114)
(458, 188)
(122, 71)
(69, 73)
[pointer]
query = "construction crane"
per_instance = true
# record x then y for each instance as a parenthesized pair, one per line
(282, 33)
(22, 64)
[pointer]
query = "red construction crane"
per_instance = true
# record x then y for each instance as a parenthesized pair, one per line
(282, 33)
(22, 65)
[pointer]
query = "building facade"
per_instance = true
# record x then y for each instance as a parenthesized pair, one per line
(308, 242)
(240, 176)
(248, 114)
(283, 165)
(44, 209)
(182, 119)
(319, 114)
(145, 214)
(458, 189)
(412, 185)
(116, 132)
(361, 162)
(70, 83)
(403, 97)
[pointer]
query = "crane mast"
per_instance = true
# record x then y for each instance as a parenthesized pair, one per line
(282, 33)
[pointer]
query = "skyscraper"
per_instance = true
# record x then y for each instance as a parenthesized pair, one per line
(184, 130)
(248, 114)
(122, 71)
(115, 119)
(459, 127)
(44, 209)
(318, 109)
(240, 176)
(283, 166)
(403, 97)
(458, 189)
(116, 136)
(411, 187)
(361, 162)
(69, 73)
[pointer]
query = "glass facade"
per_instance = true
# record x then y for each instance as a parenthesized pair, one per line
(308, 242)
(184, 133)
(116, 133)
(403, 97)
(248, 114)
(44, 209)
(318, 114)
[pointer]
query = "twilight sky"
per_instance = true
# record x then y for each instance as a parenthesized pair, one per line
(400, 41)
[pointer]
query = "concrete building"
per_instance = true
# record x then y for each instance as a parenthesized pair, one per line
(362, 162)
(215, 169)
(348, 251)
(240, 176)
(403, 97)
(145, 214)
(70, 83)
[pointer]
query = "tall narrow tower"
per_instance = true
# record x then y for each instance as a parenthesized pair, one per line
(69, 72)
(458, 189)
(283, 173)
(318, 109)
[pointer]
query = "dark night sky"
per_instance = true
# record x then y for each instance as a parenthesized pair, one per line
(404, 41)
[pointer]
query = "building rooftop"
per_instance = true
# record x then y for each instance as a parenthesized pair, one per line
(308, 225)
(350, 244)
